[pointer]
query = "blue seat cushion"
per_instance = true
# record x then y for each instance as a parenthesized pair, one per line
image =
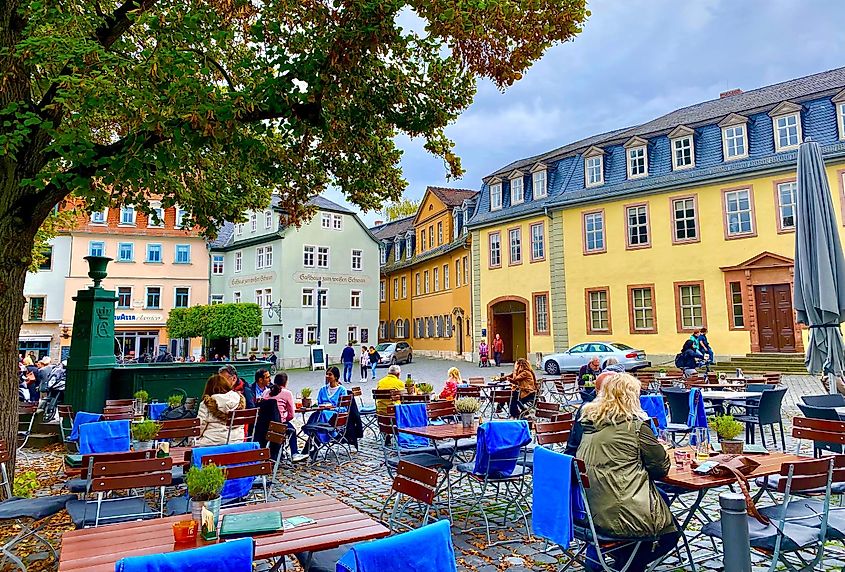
(322, 561)
(771, 483)
(807, 512)
(678, 428)
(764, 536)
(424, 460)
(367, 410)
(76, 485)
(83, 513)
(35, 508)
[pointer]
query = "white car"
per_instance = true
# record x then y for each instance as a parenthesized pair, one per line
(581, 354)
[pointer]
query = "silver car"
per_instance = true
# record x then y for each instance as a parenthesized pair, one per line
(393, 353)
(581, 354)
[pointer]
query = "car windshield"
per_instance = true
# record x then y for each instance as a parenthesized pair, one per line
(619, 346)
(384, 347)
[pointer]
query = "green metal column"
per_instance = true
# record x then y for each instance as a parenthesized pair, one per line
(91, 358)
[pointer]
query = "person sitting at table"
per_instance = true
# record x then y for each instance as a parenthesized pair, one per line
(452, 383)
(623, 460)
(687, 360)
(612, 364)
(591, 368)
(332, 391)
(279, 392)
(390, 381)
(523, 386)
(218, 402)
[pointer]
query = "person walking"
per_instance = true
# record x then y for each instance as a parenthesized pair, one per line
(704, 346)
(498, 349)
(347, 356)
(374, 358)
(365, 364)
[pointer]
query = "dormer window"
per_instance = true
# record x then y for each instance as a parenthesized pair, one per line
(409, 250)
(156, 216)
(517, 190)
(637, 157)
(839, 101)
(456, 223)
(382, 250)
(683, 148)
(593, 167)
(539, 184)
(397, 250)
(734, 137)
(496, 195)
(465, 217)
(786, 122)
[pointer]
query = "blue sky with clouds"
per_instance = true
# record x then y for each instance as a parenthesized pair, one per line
(634, 61)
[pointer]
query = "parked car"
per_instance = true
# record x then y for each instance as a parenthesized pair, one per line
(578, 355)
(393, 353)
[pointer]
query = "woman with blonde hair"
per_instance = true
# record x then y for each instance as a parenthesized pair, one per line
(523, 386)
(452, 383)
(623, 459)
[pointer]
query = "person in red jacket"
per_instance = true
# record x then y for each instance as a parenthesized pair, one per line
(498, 349)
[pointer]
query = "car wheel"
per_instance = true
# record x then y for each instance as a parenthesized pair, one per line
(552, 367)
(393, 360)
(410, 358)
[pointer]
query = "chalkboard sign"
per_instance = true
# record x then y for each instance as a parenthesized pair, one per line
(318, 358)
(275, 343)
(365, 335)
(297, 335)
(332, 335)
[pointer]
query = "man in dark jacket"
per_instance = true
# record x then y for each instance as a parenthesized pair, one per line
(347, 356)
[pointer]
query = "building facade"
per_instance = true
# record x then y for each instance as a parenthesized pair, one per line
(425, 288)
(322, 277)
(157, 265)
(683, 222)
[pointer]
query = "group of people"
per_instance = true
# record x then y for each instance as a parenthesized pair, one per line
(498, 347)
(34, 375)
(368, 359)
(696, 352)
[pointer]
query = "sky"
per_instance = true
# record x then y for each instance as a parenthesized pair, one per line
(634, 61)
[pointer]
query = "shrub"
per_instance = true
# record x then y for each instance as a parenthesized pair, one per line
(26, 484)
(306, 392)
(145, 430)
(142, 395)
(205, 483)
(467, 405)
(725, 426)
(174, 400)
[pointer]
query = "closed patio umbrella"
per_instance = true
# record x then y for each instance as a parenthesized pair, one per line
(819, 268)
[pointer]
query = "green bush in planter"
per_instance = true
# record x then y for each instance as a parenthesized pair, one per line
(725, 426)
(425, 388)
(174, 401)
(142, 395)
(205, 483)
(145, 430)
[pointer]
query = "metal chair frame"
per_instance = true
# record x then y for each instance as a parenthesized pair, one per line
(336, 433)
(25, 425)
(413, 484)
(279, 433)
(66, 413)
(242, 418)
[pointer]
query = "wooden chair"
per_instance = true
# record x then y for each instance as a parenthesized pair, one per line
(279, 434)
(553, 433)
(472, 391)
(412, 484)
(332, 438)
(241, 464)
(773, 378)
(245, 418)
(112, 409)
(345, 401)
(117, 416)
(180, 431)
(108, 475)
(442, 410)
(26, 419)
(385, 395)
(476, 381)
(82, 483)
(120, 403)
(500, 397)
(546, 411)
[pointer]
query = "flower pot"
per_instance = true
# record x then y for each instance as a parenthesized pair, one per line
(306, 402)
(97, 268)
(143, 445)
(140, 407)
(467, 419)
(212, 505)
(732, 446)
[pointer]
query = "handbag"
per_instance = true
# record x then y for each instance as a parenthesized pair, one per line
(739, 467)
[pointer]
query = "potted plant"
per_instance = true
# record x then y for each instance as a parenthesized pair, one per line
(312, 342)
(144, 434)
(204, 487)
(141, 397)
(265, 349)
(589, 380)
(467, 407)
(425, 388)
(174, 401)
(662, 372)
(306, 397)
(727, 428)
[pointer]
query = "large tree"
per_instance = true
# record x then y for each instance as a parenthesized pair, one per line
(211, 104)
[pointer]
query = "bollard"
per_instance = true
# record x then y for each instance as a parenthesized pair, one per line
(735, 541)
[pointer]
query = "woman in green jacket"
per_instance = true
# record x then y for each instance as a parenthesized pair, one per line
(623, 459)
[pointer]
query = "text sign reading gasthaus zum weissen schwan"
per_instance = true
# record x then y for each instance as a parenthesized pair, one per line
(328, 278)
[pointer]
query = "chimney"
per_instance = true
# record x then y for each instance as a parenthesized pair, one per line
(378, 223)
(730, 93)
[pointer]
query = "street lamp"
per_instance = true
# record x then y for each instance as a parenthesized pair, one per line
(319, 309)
(274, 309)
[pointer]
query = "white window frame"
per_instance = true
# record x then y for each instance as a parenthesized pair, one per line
(326, 221)
(404, 287)
(594, 158)
(307, 300)
(309, 251)
(382, 252)
(120, 246)
(355, 299)
(409, 251)
(268, 219)
(600, 231)
(236, 297)
(103, 217)
(728, 213)
(128, 209)
(691, 307)
(541, 313)
(323, 293)
(268, 256)
(381, 291)
(515, 246)
(119, 294)
(259, 258)
(426, 282)
(337, 222)
(495, 258)
(323, 251)
(397, 251)
(680, 135)
(436, 278)
(439, 233)
(538, 241)
(395, 288)
(637, 210)
(156, 212)
(101, 244)
(216, 299)
(780, 204)
(180, 216)
(840, 117)
(357, 260)
(517, 189)
(496, 196)
(776, 128)
(253, 221)
(445, 276)
(632, 161)
(540, 184)
(640, 311)
(147, 298)
(239, 228)
(734, 123)
(598, 313)
(239, 261)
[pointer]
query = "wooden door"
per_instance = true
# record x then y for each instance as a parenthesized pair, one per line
(775, 320)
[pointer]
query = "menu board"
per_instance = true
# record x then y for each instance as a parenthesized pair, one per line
(318, 358)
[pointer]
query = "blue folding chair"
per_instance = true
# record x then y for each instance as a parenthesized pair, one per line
(231, 556)
(497, 468)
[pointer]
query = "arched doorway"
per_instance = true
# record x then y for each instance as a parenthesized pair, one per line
(508, 317)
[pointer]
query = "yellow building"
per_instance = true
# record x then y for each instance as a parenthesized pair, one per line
(425, 276)
(683, 222)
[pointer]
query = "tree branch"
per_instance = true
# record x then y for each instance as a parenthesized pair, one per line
(217, 66)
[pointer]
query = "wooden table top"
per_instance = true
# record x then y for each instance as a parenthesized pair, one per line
(769, 465)
(98, 549)
(446, 431)
(722, 395)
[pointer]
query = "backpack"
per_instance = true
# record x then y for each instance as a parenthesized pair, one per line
(679, 359)
(180, 412)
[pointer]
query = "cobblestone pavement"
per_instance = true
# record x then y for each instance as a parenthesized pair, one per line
(363, 483)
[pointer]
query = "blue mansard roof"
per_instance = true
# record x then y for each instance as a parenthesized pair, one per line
(565, 165)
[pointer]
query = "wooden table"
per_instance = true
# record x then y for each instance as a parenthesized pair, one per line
(98, 549)
(746, 379)
(723, 395)
(688, 480)
(439, 432)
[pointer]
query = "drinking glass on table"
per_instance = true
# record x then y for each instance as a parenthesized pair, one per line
(702, 444)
